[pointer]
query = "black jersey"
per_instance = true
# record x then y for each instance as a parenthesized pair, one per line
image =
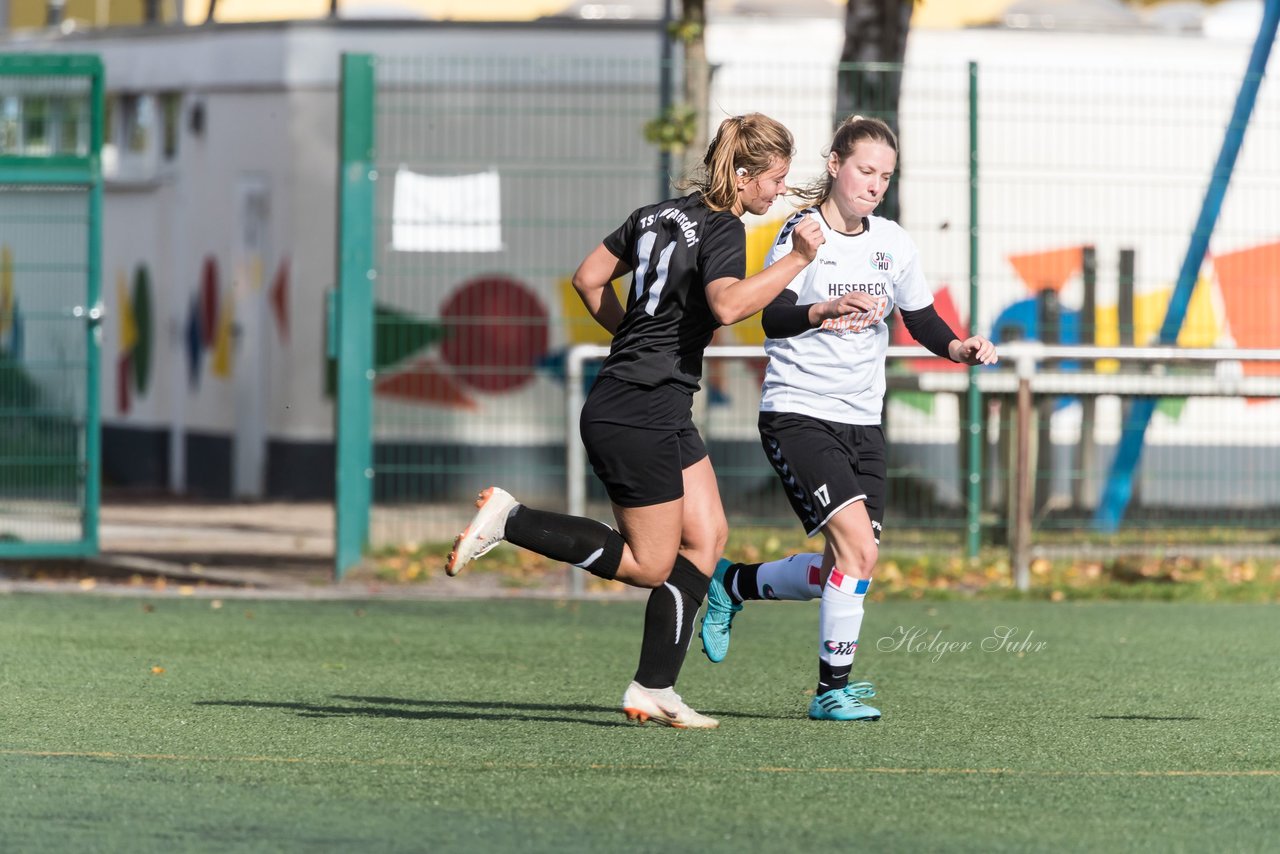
(674, 248)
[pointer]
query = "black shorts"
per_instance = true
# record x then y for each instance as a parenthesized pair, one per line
(640, 440)
(826, 465)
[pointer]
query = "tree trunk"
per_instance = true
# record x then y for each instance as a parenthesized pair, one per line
(875, 31)
(697, 80)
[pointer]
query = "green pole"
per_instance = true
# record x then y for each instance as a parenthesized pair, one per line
(93, 296)
(974, 499)
(353, 420)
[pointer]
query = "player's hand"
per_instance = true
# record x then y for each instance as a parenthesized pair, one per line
(974, 351)
(851, 303)
(806, 237)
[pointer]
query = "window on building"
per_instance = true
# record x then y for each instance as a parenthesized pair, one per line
(10, 131)
(35, 126)
(171, 123)
(70, 123)
(136, 118)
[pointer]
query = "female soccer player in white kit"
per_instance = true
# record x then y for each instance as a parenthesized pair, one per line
(820, 408)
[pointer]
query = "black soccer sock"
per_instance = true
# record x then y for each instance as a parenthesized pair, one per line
(740, 581)
(585, 543)
(830, 678)
(668, 624)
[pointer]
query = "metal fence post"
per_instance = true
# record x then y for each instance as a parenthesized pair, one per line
(973, 498)
(93, 300)
(353, 417)
(1024, 486)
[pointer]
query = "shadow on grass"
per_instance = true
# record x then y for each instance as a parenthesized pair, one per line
(384, 707)
(1146, 718)
(457, 710)
(536, 707)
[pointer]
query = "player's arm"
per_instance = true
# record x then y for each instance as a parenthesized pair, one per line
(733, 299)
(783, 318)
(937, 337)
(593, 281)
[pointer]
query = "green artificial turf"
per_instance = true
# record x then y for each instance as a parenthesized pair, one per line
(469, 726)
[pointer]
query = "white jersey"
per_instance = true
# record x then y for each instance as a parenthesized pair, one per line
(836, 371)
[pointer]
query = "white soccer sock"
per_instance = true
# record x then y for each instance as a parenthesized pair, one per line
(840, 620)
(797, 578)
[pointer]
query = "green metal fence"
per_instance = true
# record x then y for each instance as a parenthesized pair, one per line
(50, 217)
(1048, 204)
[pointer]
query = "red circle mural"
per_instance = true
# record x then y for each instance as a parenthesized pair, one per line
(495, 333)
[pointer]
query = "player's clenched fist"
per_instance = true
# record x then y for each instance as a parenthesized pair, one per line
(850, 303)
(973, 351)
(806, 237)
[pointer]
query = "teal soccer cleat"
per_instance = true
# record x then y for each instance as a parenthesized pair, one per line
(845, 704)
(719, 617)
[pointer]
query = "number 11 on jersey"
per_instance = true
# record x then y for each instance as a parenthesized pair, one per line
(644, 248)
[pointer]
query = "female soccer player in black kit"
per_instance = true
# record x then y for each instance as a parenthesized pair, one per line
(688, 259)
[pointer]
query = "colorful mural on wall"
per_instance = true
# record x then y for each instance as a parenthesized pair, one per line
(493, 334)
(208, 331)
(137, 336)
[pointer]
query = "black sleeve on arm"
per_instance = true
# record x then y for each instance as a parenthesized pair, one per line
(930, 330)
(782, 318)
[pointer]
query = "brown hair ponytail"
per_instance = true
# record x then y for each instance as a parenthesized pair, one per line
(852, 131)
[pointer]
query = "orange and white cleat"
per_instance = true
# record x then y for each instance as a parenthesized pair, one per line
(486, 530)
(662, 706)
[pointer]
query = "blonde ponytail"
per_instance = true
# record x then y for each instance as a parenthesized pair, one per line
(743, 145)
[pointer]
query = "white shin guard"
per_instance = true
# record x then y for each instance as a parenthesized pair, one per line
(797, 578)
(840, 619)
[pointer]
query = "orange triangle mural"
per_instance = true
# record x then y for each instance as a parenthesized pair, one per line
(1048, 271)
(421, 382)
(1250, 284)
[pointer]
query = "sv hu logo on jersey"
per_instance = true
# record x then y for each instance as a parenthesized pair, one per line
(881, 261)
(840, 647)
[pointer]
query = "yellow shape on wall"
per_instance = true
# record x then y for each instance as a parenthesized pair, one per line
(580, 326)
(1201, 328)
(124, 307)
(759, 239)
(221, 365)
(1107, 332)
(6, 289)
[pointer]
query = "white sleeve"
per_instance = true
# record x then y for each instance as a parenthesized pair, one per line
(781, 246)
(910, 289)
